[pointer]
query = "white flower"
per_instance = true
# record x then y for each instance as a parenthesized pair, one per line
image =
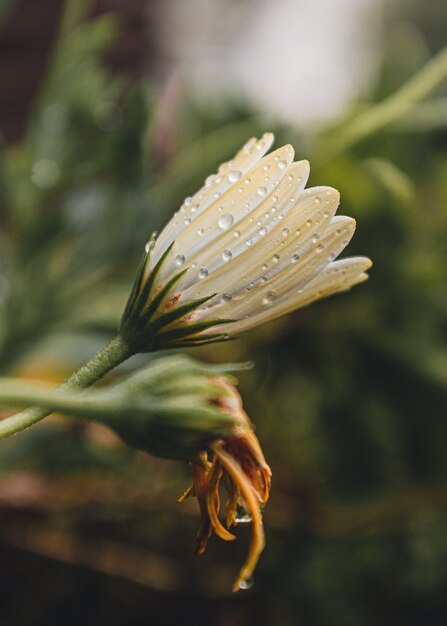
(251, 245)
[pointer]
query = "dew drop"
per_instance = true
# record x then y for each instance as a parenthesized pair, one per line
(285, 232)
(203, 273)
(187, 220)
(187, 201)
(247, 583)
(275, 258)
(179, 259)
(295, 258)
(262, 231)
(315, 238)
(227, 255)
(249, 242)
(147, 247)
(320, 247)
(242, 516)
(265, 267)
(200, 232)
(217, 194)
(309, 223)
(282, 164)
(237, 233)
(225, 221)
(234, 176)
(227, 297)
(270, 297)
(262, 191)
(317, 200)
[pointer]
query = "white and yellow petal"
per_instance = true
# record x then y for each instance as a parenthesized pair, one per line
(251, 245)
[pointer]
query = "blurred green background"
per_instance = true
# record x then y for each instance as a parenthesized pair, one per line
(106, 128)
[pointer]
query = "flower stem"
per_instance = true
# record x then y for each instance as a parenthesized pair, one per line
(114, 353)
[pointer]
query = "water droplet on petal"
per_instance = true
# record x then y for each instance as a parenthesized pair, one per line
(179, 259)
(247, 583)
(309, 223)
(320, 247)
(237, 233)
(282, 164)
(187, 220)
(225, 221)
(262, 231)
(249, 242)
(203, 273)
(227, 297)
(265, 267)
(187, 201)
(315, 238)
(226, 255)
(285, 232)
(275, 258)
(200, 232)
(270, 297)
(262, 191)
(147, 247)
(234, 176)
(295, 258)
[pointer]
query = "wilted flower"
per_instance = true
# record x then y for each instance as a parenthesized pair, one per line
(251, 245)
(236, 462)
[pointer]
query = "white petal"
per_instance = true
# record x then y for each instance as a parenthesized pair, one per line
(257, 188)
(336, 277)
(215, 186)
(274, 255)
(226, 257)
(295, 276)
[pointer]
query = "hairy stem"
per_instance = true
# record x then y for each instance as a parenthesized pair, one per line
(107, 359)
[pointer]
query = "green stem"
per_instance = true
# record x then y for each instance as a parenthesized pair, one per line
(392, 108)
(107, 359)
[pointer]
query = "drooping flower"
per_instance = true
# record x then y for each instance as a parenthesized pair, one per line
(237, 463)
(251, 245)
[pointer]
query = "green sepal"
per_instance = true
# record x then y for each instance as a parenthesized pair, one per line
(155, 303)
(196, 343)
(185, 332)
(172, 316)
(138, 281)
(143, 298)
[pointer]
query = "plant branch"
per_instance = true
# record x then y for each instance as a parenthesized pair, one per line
(15, 392)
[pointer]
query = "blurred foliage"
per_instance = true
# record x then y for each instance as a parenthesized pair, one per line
(349, 396)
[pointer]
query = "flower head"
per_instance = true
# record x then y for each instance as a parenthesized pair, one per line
(251, 245)
(237, 463)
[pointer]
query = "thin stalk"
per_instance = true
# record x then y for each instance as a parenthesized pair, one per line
(392, 108)
(116, 352)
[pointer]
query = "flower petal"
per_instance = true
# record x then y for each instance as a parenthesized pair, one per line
(237, 247)
(295, 275)
(215, 186)
(338, 276)
(224, 216)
